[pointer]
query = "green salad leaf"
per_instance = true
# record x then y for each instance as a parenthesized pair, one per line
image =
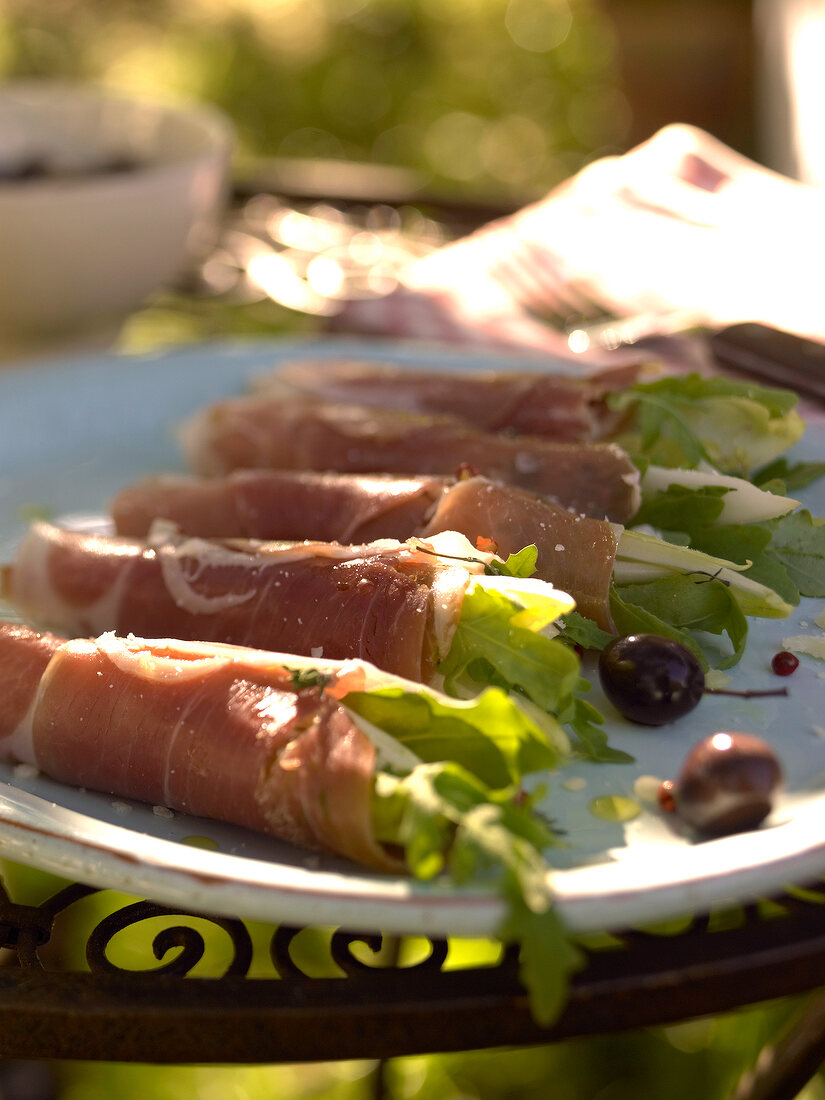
(520, 564)
(489, 735)
(643, 557)
(582, 631)
(798, 545)
(586, 722)
(489, 647)
(735, 426)
(788, 475)
(785, 553)
(446, 820)
(680, 606)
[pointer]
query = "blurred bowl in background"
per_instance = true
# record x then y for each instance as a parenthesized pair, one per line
(103, 199)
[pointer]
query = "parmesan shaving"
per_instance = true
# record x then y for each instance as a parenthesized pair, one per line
(447, 595)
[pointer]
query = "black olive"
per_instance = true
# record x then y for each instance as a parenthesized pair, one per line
(650, 679)
(727, 784)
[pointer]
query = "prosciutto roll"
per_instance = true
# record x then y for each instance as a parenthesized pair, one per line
(596, 479)
(282, 504)
(527, 402)
(384, 602)
(575, 554)
(215, 732)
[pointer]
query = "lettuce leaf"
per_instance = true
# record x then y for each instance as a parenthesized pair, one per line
(489, 646)
(735, 426)
(488, 735)
(785, 553)
(708, 497)
(642, 557)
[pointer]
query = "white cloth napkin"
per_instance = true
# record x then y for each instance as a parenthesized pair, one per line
(680, 224)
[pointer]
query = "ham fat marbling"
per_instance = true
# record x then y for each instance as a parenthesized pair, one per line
(596, 479)
(213, 731)
(575, 554)
(385, 602)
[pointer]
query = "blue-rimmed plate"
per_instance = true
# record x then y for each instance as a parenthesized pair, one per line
(73, 432)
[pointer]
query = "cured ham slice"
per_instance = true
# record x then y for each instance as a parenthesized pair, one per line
(527, 402)
(597, 479)
(576, 554)
(217, 732)
(276, 504)
(384, 602)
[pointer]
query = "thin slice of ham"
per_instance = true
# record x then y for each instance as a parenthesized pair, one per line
(281, 504)
(385, 602)
(561, 407)
(596, 479)
(575, 553)
(214, 732)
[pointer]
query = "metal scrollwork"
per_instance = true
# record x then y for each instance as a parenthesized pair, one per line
(384, 949)
(26, 928)
(361, 992)
(188, 939)
(279, 951)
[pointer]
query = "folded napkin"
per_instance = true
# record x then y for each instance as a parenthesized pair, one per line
(682, 225)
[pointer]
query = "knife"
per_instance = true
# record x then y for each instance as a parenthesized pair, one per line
(749, 347)
(780, 358)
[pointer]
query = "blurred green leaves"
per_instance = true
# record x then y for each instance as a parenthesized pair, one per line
(484, 95)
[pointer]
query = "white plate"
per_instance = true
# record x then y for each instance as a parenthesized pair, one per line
(72, 433)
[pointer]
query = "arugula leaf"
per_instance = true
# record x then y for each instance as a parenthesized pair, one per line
(749, 544)
(584, 632)
(791, 476)
(446, 820)
(798, 544)
(586, 722)
(308, 677)
(681, 421)
(785, 553)
(678, 605)
(489, 735)
(520, 564)
(488, 643)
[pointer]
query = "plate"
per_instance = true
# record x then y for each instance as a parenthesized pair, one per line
(73, 432)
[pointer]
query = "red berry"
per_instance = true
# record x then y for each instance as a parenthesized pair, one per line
(666, 796)
(784, 663)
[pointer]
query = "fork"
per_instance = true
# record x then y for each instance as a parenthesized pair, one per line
(537, 281)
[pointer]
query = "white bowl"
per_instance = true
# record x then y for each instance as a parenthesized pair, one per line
(81, 245)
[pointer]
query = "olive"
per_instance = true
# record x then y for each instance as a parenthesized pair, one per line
(726, 784)
(650, 679)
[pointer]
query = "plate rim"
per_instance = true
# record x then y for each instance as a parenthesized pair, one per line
(596, 898)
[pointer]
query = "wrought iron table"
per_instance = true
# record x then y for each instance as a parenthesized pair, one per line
(165, 1015)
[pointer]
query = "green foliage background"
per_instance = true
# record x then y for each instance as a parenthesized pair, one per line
(492, 94)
